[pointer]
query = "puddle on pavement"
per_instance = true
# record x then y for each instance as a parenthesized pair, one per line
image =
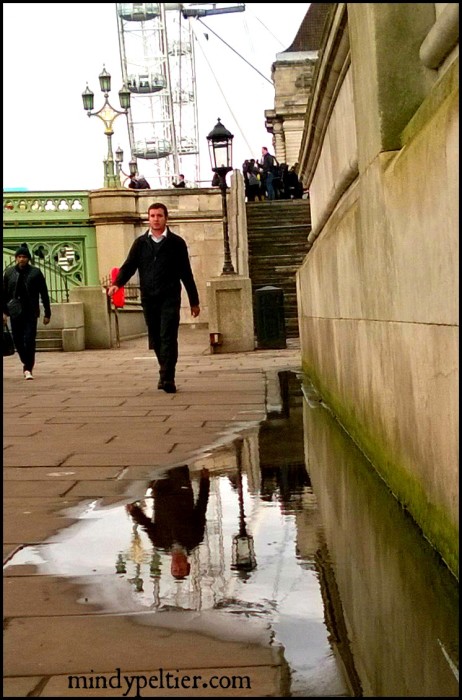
(285, 534)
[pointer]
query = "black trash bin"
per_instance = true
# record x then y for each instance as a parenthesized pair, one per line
(270, 321)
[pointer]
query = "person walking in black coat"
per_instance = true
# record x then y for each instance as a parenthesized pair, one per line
(162, 261)
(27, 285)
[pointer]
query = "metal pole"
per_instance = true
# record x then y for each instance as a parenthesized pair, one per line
(228, 268)
(110, 161)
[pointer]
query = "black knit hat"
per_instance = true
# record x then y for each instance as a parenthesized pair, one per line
(23, 250)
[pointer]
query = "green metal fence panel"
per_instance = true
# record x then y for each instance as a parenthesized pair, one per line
(57, 228)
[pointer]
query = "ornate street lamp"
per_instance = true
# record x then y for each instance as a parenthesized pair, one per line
(221, 150)
(108, 115)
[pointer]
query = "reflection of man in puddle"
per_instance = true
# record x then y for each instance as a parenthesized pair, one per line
(178, 522)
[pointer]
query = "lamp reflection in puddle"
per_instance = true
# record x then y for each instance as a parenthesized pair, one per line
(155, 569)
(136, 555)
(243, 553)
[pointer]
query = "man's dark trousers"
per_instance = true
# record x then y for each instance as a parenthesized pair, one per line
(24, 331)
(162, 316)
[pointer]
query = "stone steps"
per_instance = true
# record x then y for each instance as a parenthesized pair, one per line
(49, 340)
(277, 235)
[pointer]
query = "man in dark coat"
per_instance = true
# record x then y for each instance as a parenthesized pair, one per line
(268, 165)
(162, 261)
(178, 523)
(26, 283)
(181, 181)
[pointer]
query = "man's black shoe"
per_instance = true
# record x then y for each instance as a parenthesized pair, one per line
(169, 387)
(160, 384)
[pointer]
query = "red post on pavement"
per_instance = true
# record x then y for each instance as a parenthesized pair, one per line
(118, 298)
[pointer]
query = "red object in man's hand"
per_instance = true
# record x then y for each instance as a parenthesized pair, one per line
(118, 298)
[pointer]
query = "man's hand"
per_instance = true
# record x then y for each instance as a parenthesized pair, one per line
(5, 319)
(112, 290)
(46, 320)
(195, 311)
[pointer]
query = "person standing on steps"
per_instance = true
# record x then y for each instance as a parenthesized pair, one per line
(23, 287)
(268, 165)
(161, 258)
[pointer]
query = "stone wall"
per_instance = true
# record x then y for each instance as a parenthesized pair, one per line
(378, 290)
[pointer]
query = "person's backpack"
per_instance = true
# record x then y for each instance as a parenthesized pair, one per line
(252, 179)
(143, 184)
(275, 167)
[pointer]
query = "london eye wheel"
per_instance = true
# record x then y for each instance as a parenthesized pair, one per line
(156, 46)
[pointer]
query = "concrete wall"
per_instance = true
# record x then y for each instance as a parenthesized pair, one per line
(378, 290)
(131, 322)
(69, 319)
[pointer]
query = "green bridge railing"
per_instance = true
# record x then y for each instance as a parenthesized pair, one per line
(59, 232)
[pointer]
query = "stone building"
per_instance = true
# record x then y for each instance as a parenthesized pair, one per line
(292, 75)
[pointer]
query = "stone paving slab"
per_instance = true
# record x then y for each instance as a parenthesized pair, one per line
(45, 474)
(80, 643)
(31, 457)
(17, 530)
(44, 595)
(79, 420)
(116, 457)
(100, 489)
(74, 441)
(20, 687)
(24, 489)
(34, 519)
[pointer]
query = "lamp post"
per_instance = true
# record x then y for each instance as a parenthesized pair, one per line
(119, 159)
(108, 115)
(220, 150)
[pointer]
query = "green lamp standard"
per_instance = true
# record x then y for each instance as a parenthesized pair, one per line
(221, 150)
(108, 115)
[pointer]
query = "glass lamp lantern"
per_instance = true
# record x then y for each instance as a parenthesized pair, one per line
(243, 552)
(105, 80)
(220, 148)
(88, 98)
(132, 167)
(124, 97)
(119, 155)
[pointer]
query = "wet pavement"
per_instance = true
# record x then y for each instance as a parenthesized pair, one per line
(91, 432)
(226, 541)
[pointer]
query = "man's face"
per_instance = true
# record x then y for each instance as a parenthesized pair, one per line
(157, 220)
(22, 260)
(180, 566)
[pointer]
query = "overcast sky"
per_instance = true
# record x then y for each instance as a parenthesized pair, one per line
(51, 51)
